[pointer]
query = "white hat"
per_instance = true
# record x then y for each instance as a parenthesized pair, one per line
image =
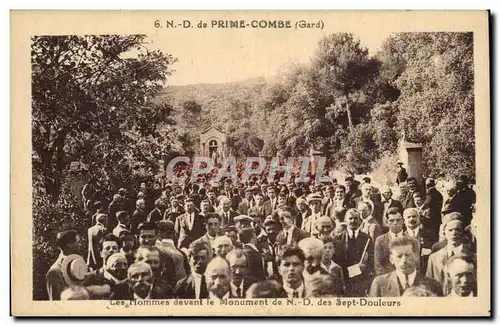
(74, 269)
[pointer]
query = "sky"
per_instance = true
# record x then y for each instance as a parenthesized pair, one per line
(218, 56)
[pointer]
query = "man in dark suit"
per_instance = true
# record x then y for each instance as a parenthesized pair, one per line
(388, 202)
(189, 226)
(458, 201)
(382, 243)
(354, 253)
(412, 188)
(423, 236)
(194, 285)
(68, 243)
(240, 280)
(258, 208)
(213, 227)
(157, 214)
(352, 190)
(247, 202)
(340, 200)
(139, 215)
(123, 219)
(226, 214)
(461, 271)
(290, 234)
(403, 255)
(269, 247)
(401, 173)
(303, 212)
(255, 262)
(95, 233)
(174, 210)
(433, 203)
(140, 285)
(115, 206)
(271, 204)
(366, 196)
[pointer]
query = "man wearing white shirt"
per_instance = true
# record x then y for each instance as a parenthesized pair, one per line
(382, 243)
(461, 272)
(290, 269)
(405, 260)
(387, 203)
(309, 224)
(218, 278)
(240, 281)
(193, 286)
(290, 235)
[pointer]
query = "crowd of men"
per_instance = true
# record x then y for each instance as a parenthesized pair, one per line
(266, 239)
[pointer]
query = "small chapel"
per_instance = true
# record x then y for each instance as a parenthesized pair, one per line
(213, 144)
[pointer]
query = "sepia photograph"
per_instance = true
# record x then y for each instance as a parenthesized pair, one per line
(268, 163)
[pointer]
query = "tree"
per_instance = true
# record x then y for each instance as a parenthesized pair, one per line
(90, 101)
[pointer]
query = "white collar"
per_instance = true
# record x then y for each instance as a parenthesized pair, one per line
(350, 232)
(136, 297)
(414, 232)
(456, 250)
(197, 276)
(329, 268)
(369, 217)
(214, 297)
(411, 277)
(290, 291)
(210, 237)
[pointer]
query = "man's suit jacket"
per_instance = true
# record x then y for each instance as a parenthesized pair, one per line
(257, 210)
(187, 234)
(154, 216)
(95, 233)
(113, 208)
(224, 220)
(377, 209)
(388, 285)
(434, 203)
(461, 203)
(371, 227)
(171, 215)
(161, 290)
(268, 208)
(119, 228)
(346, 256)
(301, 217)
(55, 281)
(407, 201)
(330, 208)
(185, 288)
(401, 176)
(204, 239)
(297, 235)
(436, 267)
(244, 206)
(247, 282)
(255, 264)
(138, 217)
(382, 253)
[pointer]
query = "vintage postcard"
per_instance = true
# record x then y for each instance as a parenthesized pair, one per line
(250, 163)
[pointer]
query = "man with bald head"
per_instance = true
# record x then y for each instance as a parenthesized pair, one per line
(240, 281)
(325, 226)
(222, 246)
(218, 276)
(139, 285)
(313, 254)
(454, 233)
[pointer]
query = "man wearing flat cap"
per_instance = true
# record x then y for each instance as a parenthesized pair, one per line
(453, 228)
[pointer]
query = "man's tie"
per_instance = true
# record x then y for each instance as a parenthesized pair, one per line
(203, 288)
(407, 283)
(295, 294)
(238, 292)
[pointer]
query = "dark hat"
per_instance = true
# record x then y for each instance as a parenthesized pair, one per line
(271, 221)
